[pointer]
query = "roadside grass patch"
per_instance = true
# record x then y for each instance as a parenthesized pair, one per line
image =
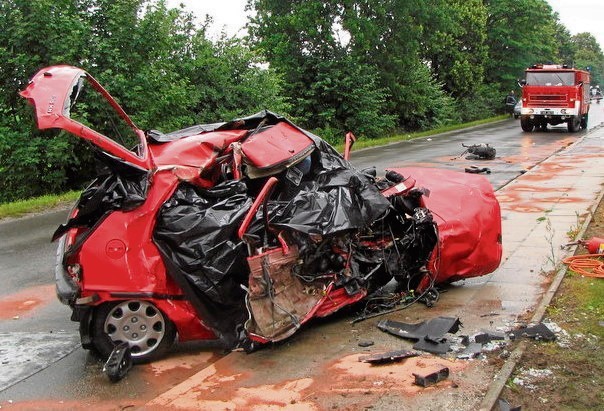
(32, 205)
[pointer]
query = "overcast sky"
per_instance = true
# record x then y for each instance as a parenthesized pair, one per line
(577, 15)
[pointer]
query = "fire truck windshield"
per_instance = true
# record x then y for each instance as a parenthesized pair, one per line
(550, 78)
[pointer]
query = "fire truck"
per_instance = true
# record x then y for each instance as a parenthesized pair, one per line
(554, 94)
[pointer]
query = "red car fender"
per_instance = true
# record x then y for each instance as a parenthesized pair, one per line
(468, 217)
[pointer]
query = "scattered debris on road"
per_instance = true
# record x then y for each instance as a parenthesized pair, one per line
(477, 170)
(537, 332)
(426, 380)
(388, 357)
(478, 152)
(119, 362)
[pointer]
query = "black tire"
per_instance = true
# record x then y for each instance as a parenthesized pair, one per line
(527, 124)
(147, 330)
(573, 124)
(584, 119)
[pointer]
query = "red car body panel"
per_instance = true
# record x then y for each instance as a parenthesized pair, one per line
(49, 92)
(469, 223)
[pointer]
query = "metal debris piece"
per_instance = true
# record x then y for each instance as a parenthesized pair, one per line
(537, 332)
(387, 357)
(478, 151)
(432, 346)
(482, 151)
(430, 379)
(505, 406)
(119, 362)
(435, 328)
(487, 337)
(477, 170)
(472, 350)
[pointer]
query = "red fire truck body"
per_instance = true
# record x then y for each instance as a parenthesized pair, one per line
(554, 94)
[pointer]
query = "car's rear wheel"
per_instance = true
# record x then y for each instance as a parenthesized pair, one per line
(526, 123)
(148, 332)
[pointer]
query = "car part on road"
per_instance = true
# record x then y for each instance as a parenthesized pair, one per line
(477, 170)
(429, 334)
(435, 328)
(471, 350)
(537, 332)
(487, 337)
(388, 357)
(433, 345)
(478, 152)
(119, 362)
(431, 378)
(504, 405)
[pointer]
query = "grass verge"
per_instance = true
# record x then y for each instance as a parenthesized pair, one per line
(32, 205)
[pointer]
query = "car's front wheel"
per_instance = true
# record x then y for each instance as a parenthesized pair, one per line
(148, 332)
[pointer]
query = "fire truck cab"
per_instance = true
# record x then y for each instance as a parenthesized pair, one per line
(554, 94)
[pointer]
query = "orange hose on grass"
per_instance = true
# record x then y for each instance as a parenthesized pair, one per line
(589, 265)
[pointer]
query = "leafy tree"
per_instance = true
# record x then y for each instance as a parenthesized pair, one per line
(151, 59)
(519, 33)
(566, 48)
(328, 87)
(588, 54)
(457, 50)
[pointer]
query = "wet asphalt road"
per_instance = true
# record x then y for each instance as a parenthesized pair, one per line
(41, 363)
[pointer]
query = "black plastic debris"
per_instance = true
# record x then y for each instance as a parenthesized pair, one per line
(435, 327)
(432, 345)
(487, 337)
(119, 186)
(477, 170)
(429, 334)
(479, 151)
(426, 380)
(505, 406)
(388, 357)
(119, 362)
(539, 332)
(472, 350)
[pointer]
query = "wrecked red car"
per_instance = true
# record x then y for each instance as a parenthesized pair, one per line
(243, 231)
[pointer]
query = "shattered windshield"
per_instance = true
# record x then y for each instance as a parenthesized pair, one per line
(90, 108)
(552, 78)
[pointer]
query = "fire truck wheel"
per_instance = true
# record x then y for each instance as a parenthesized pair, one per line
(584, 121)
(139, 323)
(573, 124)
(527, 124)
